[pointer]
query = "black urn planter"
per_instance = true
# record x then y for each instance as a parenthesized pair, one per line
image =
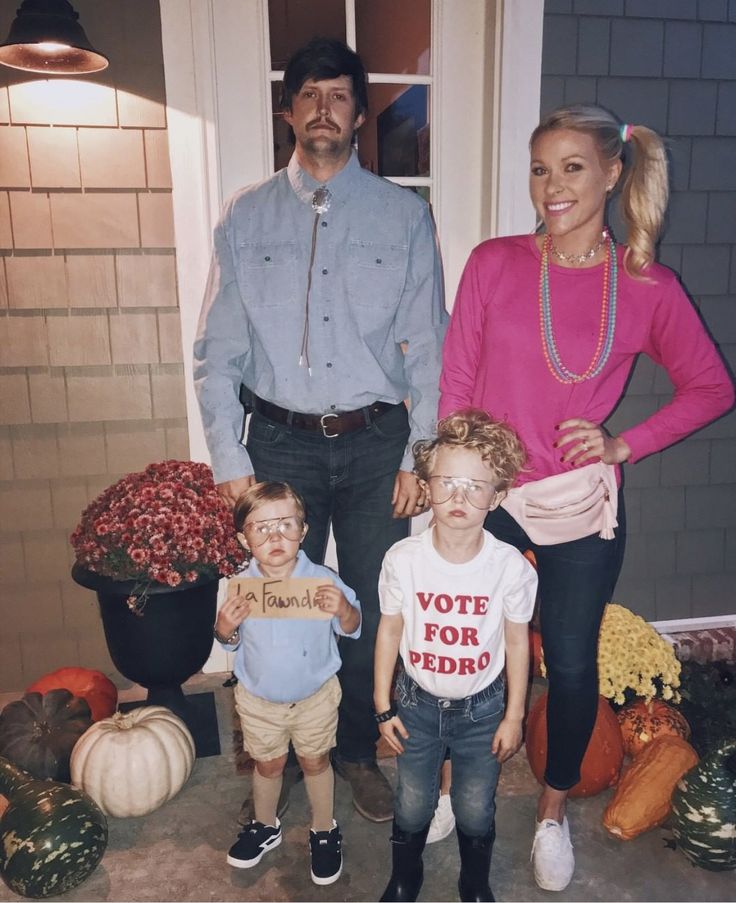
(164, 644)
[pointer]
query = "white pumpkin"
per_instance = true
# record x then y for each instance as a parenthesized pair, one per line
(132, 763)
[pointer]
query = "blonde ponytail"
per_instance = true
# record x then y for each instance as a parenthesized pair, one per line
(644, 194)
(644, 180)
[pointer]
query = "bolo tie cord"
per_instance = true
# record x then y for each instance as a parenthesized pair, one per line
(321, 200)
(304, 353)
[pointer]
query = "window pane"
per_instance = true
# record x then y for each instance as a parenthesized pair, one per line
(294, 22)
(422, 190)
(393, 37)
(283, 141)
(394, 139)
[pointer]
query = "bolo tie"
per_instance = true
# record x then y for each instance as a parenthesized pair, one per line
(321, 200)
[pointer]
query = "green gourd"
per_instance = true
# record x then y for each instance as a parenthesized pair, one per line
(38, 732)
(52, 835)
(704, 809)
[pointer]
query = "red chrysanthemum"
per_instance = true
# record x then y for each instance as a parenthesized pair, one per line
(165, 524)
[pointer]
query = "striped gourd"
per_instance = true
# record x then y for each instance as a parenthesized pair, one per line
(51, 835)
(704, 808)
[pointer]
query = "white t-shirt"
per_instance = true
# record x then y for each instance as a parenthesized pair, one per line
(453, 643)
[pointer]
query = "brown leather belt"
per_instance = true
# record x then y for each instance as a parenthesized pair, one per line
(330, 425)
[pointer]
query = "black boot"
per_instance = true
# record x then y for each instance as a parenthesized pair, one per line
(407, 872)
(475, 866)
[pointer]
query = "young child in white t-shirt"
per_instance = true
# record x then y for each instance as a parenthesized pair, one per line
(455, 603)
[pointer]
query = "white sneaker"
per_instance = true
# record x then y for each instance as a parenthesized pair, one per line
(443, 822)
(554, 862)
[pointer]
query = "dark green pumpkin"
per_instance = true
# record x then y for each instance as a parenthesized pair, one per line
(38, 732)
(704, 809)
(51, 835)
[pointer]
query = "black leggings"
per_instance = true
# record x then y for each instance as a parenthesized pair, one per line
(576, 580)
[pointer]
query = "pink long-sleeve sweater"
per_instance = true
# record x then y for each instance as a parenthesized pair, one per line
(493, 358)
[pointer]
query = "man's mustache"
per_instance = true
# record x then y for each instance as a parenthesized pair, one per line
(323, 122)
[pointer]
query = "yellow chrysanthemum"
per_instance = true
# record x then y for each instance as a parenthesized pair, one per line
(631, 655)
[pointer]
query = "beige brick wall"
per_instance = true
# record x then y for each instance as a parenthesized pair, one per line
(91, 378)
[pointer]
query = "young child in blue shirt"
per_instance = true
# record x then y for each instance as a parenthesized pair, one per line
(287, 686)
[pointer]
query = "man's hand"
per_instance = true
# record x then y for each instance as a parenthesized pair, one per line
(231, 490)
(408, 496)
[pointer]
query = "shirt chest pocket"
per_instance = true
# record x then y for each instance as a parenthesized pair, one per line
(376, 273)
(268, 273)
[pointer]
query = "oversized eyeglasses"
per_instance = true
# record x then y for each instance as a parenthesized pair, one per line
(259, 531)
(478, 493)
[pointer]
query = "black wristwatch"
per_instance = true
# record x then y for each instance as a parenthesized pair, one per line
(385, 716)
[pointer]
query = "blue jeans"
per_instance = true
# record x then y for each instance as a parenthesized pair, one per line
(576, 581)
(465, 726)
(346, 481)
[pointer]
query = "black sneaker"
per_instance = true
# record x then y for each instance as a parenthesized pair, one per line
(325, 849)
(253, 842)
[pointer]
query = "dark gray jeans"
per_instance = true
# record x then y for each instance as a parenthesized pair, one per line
(576, 581)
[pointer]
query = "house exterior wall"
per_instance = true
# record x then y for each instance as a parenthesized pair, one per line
(670, 65)
(91, 379)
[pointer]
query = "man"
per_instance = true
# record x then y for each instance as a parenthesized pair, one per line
(318, 276)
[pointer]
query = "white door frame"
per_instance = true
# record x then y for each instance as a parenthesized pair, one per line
(487, 72)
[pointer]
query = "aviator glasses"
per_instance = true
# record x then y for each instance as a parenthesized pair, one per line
(478, 493)
(290, 527)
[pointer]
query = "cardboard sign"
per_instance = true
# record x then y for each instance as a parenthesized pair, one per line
(289, 598)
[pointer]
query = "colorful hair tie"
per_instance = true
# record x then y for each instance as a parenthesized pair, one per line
(625, 132)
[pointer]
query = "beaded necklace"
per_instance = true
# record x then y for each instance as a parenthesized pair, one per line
(607, 325)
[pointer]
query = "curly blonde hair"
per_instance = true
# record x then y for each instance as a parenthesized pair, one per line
(496, 442)
(644, 178)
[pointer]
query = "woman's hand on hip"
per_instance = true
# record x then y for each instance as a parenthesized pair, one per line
(584, 442)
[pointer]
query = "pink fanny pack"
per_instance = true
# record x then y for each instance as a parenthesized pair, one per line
(567, 506)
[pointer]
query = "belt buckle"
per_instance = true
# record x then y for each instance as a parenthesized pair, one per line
(324, 426)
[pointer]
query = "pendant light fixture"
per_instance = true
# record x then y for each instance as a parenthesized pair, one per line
(46, 37)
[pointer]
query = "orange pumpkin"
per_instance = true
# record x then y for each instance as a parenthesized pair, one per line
(642, 721)
(535, 652)
(535, 637)
(99, 691)
(602, 761)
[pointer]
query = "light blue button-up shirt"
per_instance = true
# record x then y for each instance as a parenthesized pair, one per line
(376, 283)
(288, 659)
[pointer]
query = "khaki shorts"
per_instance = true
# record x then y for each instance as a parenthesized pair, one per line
(310, 724)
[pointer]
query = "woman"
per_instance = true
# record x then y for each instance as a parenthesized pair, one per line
(544, 333)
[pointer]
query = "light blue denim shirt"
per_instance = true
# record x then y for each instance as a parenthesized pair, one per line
(376, 282)
(285, 659)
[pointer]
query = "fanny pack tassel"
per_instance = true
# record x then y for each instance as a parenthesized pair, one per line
(609, 520)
